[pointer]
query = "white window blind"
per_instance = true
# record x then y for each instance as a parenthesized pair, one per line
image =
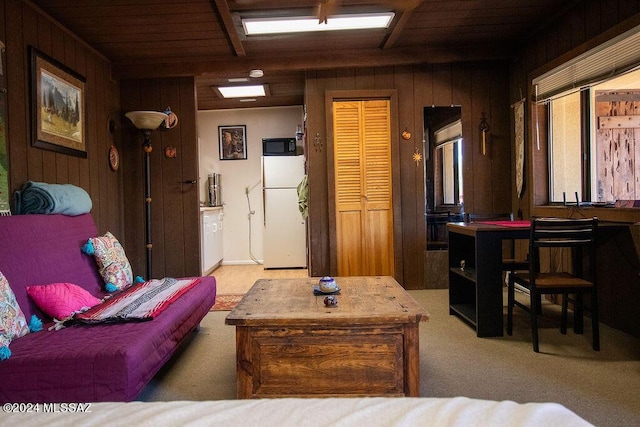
(612, 58)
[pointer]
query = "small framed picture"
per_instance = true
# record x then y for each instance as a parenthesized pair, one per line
(58, 106)
(232, 142)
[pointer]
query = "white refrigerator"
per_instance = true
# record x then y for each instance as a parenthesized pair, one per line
(285, 236)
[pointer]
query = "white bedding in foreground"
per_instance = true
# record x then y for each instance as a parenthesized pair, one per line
(370, 412)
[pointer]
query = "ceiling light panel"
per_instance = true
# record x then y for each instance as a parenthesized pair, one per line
(261, 26)
(248, 91)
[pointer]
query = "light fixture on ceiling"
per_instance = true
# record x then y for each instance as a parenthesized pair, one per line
(298, 24)
(246, 91)
(238, 80)
(256, 74)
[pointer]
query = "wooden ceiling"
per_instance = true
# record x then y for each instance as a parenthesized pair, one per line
(204, 38)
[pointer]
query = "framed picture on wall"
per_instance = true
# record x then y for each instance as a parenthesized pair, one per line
(232, 142)
(58, 106)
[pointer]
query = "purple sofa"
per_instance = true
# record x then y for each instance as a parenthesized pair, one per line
(82, 363)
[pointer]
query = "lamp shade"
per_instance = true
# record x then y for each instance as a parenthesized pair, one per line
(150, 120)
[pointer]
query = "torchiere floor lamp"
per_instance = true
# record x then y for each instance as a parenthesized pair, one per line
(147, 122)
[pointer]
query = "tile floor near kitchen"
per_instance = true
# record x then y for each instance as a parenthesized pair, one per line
(238, 279)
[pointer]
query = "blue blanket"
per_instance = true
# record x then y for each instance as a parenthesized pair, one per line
(43, 198)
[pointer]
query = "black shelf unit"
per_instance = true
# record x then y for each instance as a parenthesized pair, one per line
(475, 292)
(462, 281)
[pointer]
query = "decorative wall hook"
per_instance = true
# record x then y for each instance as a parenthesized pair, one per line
(317, 142)
(171, 121)
(417, 156)
(406, 135)
(484, 129)
(171, 152)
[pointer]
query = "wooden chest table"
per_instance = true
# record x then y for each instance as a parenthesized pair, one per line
(288, 343)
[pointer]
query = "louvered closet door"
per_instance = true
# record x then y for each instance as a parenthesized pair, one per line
(364, 215)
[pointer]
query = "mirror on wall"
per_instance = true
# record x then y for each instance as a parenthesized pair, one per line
(443, 143)
(443, 172)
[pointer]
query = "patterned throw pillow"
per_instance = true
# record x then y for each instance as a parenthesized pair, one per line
(112, 262)
(60, 300)
(13, 324)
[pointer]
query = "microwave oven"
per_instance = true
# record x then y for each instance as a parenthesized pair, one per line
(279, 147)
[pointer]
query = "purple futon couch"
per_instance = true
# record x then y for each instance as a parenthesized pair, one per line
(80, 363)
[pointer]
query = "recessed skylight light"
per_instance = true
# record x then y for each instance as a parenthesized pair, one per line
(297, 24)
(249, 91)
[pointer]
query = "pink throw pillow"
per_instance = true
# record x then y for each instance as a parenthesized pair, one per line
(60, 300)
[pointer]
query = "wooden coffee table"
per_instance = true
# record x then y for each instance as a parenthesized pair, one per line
(288, 343)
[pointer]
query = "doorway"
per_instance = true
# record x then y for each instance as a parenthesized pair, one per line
(363, 187)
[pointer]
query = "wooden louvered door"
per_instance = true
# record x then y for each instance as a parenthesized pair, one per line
(364, 213)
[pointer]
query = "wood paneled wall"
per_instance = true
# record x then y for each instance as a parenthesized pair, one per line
(584, 26)
(24, 26)
(175, 207)
(476, 87)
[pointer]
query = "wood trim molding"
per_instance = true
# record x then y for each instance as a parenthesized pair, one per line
(359, 58)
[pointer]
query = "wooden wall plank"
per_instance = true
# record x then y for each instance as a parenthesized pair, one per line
(96, 96)
(17, 116)
(316, 161)
(609, 13)
(172, 208)
(553, 41)
(187, 109)
(364, 78)
(442, 89)
(411, 198)
(578, 32)
(100, 143)
(114, 137)
(132, 160)
(627, 8)
(345, 78)
(384, 78)
(500, 148)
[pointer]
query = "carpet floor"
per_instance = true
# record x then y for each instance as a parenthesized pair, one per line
(600, 386)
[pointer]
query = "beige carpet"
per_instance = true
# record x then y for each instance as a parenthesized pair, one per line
(602, 387)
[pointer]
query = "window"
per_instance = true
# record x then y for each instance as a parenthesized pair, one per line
(615, 108)
(450, 155)
(610, 154)
(449, 164)
(565, 181)
(593, 102)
